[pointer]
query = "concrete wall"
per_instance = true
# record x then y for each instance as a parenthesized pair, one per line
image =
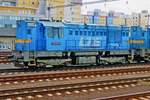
(7, 43)
(8, 32)
(7, 38)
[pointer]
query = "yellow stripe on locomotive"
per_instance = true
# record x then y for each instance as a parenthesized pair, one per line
(136, 41)
(22, 41)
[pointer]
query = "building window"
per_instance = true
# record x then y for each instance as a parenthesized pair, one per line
(6, 3)
(70, 8)
(1, 26)
(8, 25)
(32, 3)
(1, 17)
(6, 17)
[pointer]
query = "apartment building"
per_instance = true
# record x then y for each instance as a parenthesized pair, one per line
(61, 10)
(10, 12)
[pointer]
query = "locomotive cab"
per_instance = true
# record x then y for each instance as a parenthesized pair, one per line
(29, 40)
(137, 43)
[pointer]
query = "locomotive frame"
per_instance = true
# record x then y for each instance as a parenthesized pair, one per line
(41, 43)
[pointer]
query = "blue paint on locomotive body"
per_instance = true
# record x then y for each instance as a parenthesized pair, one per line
(137, 38)
(117, 37)
(80, 37)
(147, 38)
(30, 36)
(61, 37)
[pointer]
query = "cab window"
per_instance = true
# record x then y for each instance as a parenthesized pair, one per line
(55, 32)
(61, 33)
(49, 32)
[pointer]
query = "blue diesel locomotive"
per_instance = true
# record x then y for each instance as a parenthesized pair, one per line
(41, 43)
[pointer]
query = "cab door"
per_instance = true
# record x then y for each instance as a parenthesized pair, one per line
(55, 38)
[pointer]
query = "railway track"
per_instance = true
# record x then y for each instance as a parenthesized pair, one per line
(70, 89)
(132, 96)
(4, 57)
(73, 74)
(69, 68)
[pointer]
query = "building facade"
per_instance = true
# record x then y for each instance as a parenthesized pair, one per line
(139, 19)
(10, 12)
(61, 10)
(55, 9)
(73, 13)
(118, 18)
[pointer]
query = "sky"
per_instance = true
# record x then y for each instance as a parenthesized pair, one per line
(126, 6)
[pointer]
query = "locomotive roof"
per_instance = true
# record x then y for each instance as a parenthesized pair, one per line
(62, 24)
(53, 24)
